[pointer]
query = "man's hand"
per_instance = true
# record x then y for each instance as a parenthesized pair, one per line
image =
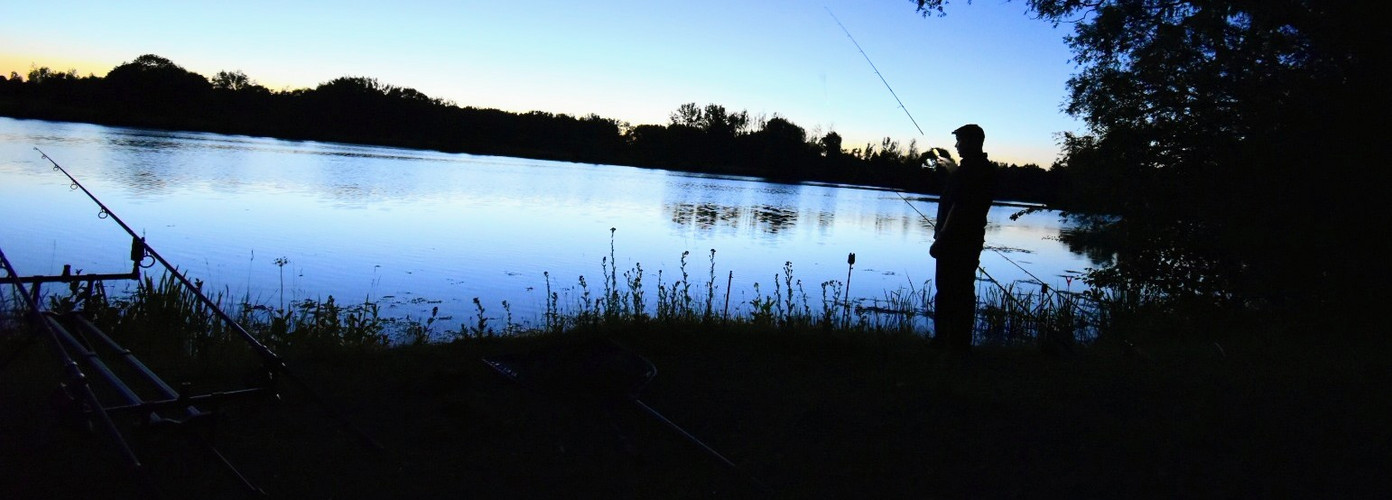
(938, 157)
(947, 163)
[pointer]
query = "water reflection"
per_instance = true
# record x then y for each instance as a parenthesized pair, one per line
(704, 216)
(825, 219)
(362, 222)
(147, 181)
(772, 220)
(773, 209)
(765, 219)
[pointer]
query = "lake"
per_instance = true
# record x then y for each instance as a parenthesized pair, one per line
(277, 221)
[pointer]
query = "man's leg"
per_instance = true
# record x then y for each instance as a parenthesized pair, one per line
(955, 304)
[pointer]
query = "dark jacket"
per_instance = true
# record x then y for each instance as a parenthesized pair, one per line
(970, 190)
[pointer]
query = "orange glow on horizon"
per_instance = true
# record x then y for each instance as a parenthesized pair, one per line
(22, 64)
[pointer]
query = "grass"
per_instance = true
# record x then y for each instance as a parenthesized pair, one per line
(811, 397)
(161, 311)
(808, 413)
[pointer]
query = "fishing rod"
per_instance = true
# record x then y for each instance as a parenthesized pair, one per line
(896, 99)
(932, 154)
(270, 358)
(877, 70)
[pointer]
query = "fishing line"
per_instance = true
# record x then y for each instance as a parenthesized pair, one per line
(877, 70)
(920, 132)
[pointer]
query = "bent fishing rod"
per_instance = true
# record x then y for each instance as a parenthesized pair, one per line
(896, 191)
(270, 358)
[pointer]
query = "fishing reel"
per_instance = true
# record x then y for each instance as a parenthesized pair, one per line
(938, 157)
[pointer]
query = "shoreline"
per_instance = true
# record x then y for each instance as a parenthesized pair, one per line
(810, 415)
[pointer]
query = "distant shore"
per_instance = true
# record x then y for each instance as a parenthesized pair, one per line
(154, 92)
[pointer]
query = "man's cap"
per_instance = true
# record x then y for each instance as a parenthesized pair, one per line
(970, 130)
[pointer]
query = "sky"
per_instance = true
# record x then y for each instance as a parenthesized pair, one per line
(987, 62)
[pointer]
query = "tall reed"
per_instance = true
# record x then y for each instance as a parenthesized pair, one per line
(163, 317)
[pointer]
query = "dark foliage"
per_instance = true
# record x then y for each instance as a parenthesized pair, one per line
(1233, 138)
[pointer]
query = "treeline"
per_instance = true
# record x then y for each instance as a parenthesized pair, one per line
(154, 92)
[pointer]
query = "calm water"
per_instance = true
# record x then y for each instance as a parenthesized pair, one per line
(420, 229)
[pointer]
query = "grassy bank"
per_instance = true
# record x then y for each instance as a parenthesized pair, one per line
(808, 414)
(1157, 406)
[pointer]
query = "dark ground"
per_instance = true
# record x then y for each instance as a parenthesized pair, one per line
(802, 415)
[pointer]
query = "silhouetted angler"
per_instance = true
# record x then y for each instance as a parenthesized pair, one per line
(958, 238)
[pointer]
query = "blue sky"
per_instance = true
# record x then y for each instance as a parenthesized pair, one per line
(986, 62)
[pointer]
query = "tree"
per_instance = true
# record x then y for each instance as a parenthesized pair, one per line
(45, 75)
(784, 132)
(153, 69)
(715, 120)
(236, 81)
(687, 114)
(154, 86)
(352, 86)
(1206, 112)
(780, 149)
(830, 145)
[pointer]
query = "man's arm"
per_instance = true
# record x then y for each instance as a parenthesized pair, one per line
(942, 232)
(947, 222)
